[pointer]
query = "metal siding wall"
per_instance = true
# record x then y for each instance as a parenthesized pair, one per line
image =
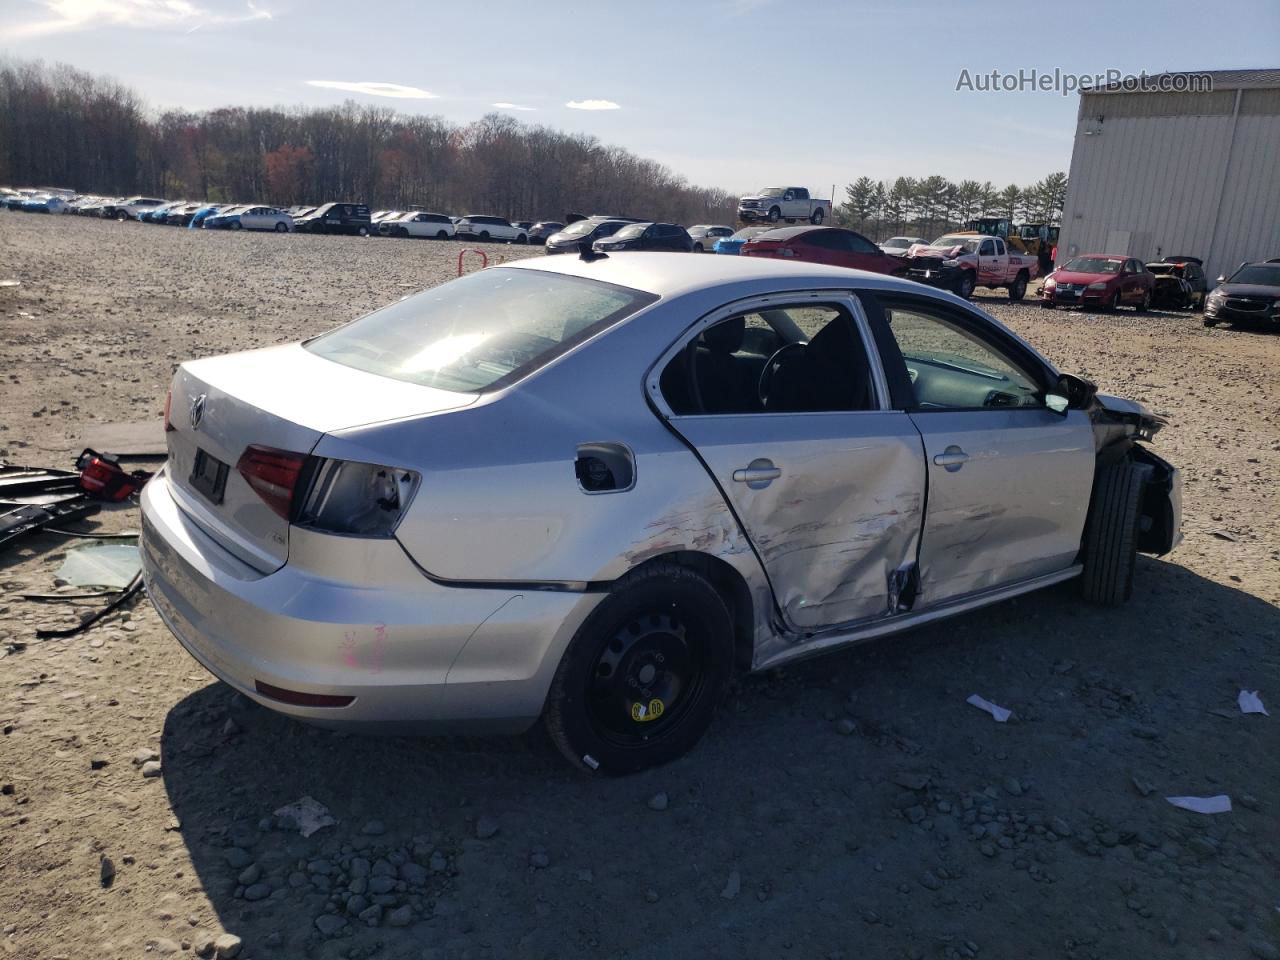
(1249, 228)
(1155, 177)
(1110, 105)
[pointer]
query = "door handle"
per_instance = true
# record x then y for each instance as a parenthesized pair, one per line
(953, 458)
(757, 474)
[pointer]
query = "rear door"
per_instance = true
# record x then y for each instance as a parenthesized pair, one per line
(827, 482)
(1009, 480)
(252, 219)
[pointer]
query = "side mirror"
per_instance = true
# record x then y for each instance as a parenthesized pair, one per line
(1221, 279)
(1078, 392)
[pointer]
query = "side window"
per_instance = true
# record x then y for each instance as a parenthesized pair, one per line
(826, 240)
(999, 247)
(951, 367)
(987, 249)
(860, 244)
(806, 359)
(789, 195)
(801, 193)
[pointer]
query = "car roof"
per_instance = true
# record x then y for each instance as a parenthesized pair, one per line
(786, 233)
(668, 276)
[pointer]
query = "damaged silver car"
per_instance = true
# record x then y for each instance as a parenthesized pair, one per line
(591, 490)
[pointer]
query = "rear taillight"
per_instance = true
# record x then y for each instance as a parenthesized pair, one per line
(168, 403)
(357, 499)
(273, 475)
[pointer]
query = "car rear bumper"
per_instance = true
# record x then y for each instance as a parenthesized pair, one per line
(353, 618)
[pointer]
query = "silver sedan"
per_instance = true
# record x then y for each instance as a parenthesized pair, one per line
(591, 490)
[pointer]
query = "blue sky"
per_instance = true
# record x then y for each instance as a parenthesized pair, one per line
(729, 93)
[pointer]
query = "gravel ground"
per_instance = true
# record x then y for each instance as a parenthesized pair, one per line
(852, 806)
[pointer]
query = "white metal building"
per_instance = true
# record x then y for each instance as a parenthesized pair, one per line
(1192, 174)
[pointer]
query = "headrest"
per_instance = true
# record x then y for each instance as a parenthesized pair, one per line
(725, 337)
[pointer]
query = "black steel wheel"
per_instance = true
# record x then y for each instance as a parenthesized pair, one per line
(641, 679)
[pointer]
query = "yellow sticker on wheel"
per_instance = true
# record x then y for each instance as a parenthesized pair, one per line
(642, 713)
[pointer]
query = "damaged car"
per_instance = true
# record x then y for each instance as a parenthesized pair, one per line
(1179, 283)
(419, 521)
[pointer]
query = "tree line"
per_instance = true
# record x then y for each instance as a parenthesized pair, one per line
(62, 127)
(928, 206)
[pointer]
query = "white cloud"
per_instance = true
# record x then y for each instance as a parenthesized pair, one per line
(592, 105)
(69, 15)
(374, 89)
(503, 105)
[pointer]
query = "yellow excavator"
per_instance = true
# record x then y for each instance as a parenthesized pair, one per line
(1000, 227)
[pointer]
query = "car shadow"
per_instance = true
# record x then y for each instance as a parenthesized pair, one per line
(494, 847)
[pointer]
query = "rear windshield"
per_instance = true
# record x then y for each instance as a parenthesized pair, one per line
(481, 331)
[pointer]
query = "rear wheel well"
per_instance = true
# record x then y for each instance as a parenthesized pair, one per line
(731, 586)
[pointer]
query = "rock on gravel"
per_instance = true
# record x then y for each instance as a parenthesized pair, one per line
(226, 946)
(487, 827)
(732, 886)
(658, 801)
(329, 924)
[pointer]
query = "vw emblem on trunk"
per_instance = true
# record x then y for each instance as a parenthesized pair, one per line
(197, 411)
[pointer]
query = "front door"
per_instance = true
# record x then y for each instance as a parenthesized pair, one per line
(828, 484)
(1009, 479)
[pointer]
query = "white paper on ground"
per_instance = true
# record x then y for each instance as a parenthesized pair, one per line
(1250, 702)
(309, 814)
(1219, 804)
(999, 713)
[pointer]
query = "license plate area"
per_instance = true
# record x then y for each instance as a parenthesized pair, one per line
(209, 477)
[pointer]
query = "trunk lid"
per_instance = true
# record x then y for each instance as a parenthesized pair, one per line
(285, 398)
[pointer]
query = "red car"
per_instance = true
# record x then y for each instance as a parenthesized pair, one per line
(1103, 280)
(829, 245)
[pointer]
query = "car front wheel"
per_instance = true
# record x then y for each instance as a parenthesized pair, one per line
(641, 680)
(1111, 532)
(964, 288)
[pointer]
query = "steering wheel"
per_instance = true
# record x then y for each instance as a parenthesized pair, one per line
(774, 361)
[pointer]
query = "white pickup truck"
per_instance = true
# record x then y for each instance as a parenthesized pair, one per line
(960, 262)
(783, 203)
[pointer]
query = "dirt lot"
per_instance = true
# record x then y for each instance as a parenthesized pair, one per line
(853, 806)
